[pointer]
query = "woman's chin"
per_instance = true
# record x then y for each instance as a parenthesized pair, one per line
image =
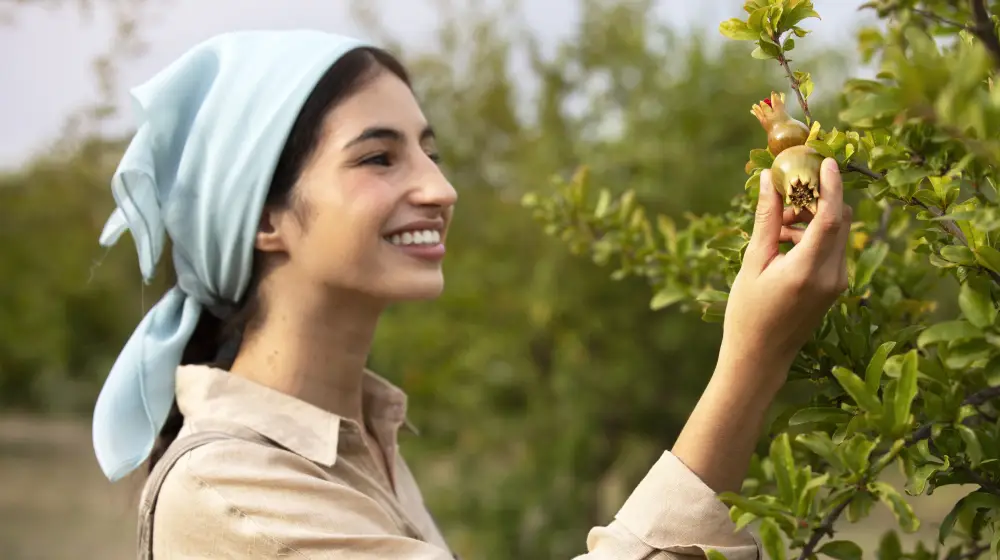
(418, 287)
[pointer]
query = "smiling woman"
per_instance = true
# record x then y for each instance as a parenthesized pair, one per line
(296, 177)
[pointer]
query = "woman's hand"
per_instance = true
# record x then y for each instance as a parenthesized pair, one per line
(778, 300)
(776, 303)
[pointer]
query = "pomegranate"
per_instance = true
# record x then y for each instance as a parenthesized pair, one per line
(782, 130)
(795, 174)
(795, 170)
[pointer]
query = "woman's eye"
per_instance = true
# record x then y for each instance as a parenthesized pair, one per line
(436, 158)
(379, 159)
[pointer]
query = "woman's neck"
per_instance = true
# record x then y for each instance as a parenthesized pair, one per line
(314, 349)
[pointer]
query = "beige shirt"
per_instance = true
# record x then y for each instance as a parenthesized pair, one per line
(319, 493)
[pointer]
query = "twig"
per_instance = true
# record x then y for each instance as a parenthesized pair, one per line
(942, 20)
(825, 528)
(923, 432)
(793, 81)
(985, 483)
(982, 397)
(984, 29)
(975, 552)
(948, 225)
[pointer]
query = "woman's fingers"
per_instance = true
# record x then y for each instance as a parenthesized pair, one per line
(789, 217)
(767, 227)
(823, 232)
(792, 234)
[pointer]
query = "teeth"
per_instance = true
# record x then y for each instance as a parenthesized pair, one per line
(422, 237)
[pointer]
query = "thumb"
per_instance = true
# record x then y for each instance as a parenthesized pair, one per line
(766, 234)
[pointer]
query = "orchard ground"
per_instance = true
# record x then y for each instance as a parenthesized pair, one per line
(55, 504)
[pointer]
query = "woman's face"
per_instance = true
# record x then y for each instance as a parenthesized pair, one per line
(371, 208)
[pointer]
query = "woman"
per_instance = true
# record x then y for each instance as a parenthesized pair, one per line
(296, 179)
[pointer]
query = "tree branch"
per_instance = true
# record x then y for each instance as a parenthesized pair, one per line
(984, 29)
(825, 527)
(942, 20)
(984, 483)
(794, 82)
(975, 552)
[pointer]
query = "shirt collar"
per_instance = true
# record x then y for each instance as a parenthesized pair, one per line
(205, 392)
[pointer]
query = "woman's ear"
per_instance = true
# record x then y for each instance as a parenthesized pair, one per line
(270, 238)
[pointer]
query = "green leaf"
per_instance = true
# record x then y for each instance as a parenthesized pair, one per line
(916, 482)
(770, 537)
(841, 550)
(801, 11)
(856, 453)
(712, 554)
(898, 505)
(948, 331)
(974, 501)
(873, 374)
(889, 547)
(869, 261)
(898, 176)
(819, 415)
(805, 83)
(784, 468)
(856, 388)
(988, 257)
(977, 304)
(765, 51)
(822, 147)
(761, 157)
(754, 506)
(820, 444)
(959, 254)
(973, 449)
(667, 296)
(860, 507)
(738, 30)
(929, 198)
(906, 391)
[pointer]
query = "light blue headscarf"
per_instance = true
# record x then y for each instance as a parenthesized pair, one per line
(212, 126)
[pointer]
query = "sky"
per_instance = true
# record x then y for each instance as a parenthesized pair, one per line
(48, 48)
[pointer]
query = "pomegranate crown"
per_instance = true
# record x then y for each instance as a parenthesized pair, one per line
(770, 111)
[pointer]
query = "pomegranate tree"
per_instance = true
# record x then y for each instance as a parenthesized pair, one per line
(904, 374)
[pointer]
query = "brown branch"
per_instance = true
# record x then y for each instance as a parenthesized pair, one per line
(984, 29)
(795, 84)
(984, 483)
(975, 552)
(825, 527)
(942, 20)
(982, 397)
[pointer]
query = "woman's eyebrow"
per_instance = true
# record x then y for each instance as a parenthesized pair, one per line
(387, 133)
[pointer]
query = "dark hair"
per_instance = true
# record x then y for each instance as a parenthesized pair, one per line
(217, 342)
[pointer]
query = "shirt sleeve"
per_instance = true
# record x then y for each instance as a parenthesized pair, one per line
(671, 515)
(231, 499)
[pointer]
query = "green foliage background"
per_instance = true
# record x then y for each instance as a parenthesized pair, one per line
(544, 384)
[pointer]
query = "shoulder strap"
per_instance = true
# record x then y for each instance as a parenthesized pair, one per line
(155, 481)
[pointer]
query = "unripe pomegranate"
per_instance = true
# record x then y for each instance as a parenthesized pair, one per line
(782, 130)
(795, 171)
(795, 174)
